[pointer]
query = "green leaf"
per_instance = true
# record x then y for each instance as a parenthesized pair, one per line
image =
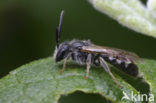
(130, 13)
(151, 4)
(40, 82)
(148, 69)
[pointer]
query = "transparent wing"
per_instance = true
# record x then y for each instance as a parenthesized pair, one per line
(109, 51)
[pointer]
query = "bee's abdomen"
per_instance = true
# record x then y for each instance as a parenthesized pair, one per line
(127, 67)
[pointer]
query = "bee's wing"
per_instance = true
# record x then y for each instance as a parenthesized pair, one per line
(111, 52)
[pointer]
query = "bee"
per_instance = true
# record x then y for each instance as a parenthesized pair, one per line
(84, 52)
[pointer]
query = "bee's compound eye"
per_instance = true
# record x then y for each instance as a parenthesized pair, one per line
(62, 52)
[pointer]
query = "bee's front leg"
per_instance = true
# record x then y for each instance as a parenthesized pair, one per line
(64, 64)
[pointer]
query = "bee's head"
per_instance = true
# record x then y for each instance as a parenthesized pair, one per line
(62, 51)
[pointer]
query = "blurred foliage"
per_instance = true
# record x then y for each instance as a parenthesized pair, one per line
(130, 13)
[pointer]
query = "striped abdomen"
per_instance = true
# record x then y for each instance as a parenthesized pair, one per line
(126, 66)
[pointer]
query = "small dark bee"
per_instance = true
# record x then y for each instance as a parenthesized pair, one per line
(86, 53)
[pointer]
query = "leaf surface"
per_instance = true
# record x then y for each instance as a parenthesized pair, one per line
(40, 82)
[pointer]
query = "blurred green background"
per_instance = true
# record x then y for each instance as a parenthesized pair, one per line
(27, 31)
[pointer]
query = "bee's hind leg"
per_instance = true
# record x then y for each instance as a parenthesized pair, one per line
(64, 64)
(107, 69)
(88, 63)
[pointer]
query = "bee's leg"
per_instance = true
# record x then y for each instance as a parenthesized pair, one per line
(88, 63)
(64, 64)
(107, 69)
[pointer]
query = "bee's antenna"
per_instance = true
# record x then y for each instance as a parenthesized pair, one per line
(58, 29)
